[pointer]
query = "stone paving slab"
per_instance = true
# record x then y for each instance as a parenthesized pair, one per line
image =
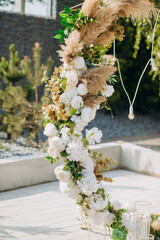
(41, 212)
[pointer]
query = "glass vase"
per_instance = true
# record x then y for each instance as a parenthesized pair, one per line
(97, 230)
(139, 221)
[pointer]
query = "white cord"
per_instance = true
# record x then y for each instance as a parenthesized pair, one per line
(154, 33)
(145, 68)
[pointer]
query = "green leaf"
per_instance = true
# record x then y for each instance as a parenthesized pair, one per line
(70, 20)
(77, 135)
(59, 32)
(67, 10)
(63, 15)
(72, 111)
(71, 130)
(81, 14)
(58, 36)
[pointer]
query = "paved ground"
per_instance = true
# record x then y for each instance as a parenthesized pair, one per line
(42, 213)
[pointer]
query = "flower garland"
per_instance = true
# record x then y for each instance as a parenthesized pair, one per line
(78, 89)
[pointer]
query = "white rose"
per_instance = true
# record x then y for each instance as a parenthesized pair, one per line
(53, 152)
(82, 89)
(65, 135)
(56, 143)
(108, 91)
(68, 95)
(116, 205)
(63, 176)
(93, 135)
(69, 190)
(109, 219)
(65, 98)
(88, 183)
(88, 114)
(77, 102)
(77, 152)
(72, 78)
(89, 165)
(80, 124)
(79, 63)
(50, 130)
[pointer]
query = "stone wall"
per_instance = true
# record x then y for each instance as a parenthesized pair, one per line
(24, 31)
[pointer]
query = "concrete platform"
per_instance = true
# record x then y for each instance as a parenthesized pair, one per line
(24, 171)
(41, 212)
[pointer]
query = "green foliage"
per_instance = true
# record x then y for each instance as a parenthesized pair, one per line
(13, 102)
(75, 168)
(52, 160)
(94, 54)
(12, 2)
(71, 20)
(10, 70)
(7, 2)
(12, 98)
(35, 72)
(148, 94)
(18, 112)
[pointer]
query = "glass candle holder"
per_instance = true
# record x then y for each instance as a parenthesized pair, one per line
(148, 237)
(97, 229)
(142, 219)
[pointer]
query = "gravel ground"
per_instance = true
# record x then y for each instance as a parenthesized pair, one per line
(118, 127)
(121, 126)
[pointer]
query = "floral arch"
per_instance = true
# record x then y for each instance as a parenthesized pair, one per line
(78, 87)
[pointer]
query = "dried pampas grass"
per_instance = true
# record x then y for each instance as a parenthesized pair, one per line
(90, 7)
(95, 78)
(105, 38)
(136, 8)
(103, 31)
(73, 46)
(93, 102)
(105, 17)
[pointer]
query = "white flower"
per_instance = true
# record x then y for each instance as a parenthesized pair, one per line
(80, 124)
(50, 130)
(65, 98)
(108, 91)
(88, 114)
(79, 63)
(116, 205)
(89, 165)
(56, 143)
(125, 219)
(77, 102)
(109, 218)
(53, 152)
(77, 152)
(72, 78)
(63, 73)
(65, 135)
(68, 95)
(69, 190)
(82, 89)
(63, 176)
(93, 135)
(88, 183)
